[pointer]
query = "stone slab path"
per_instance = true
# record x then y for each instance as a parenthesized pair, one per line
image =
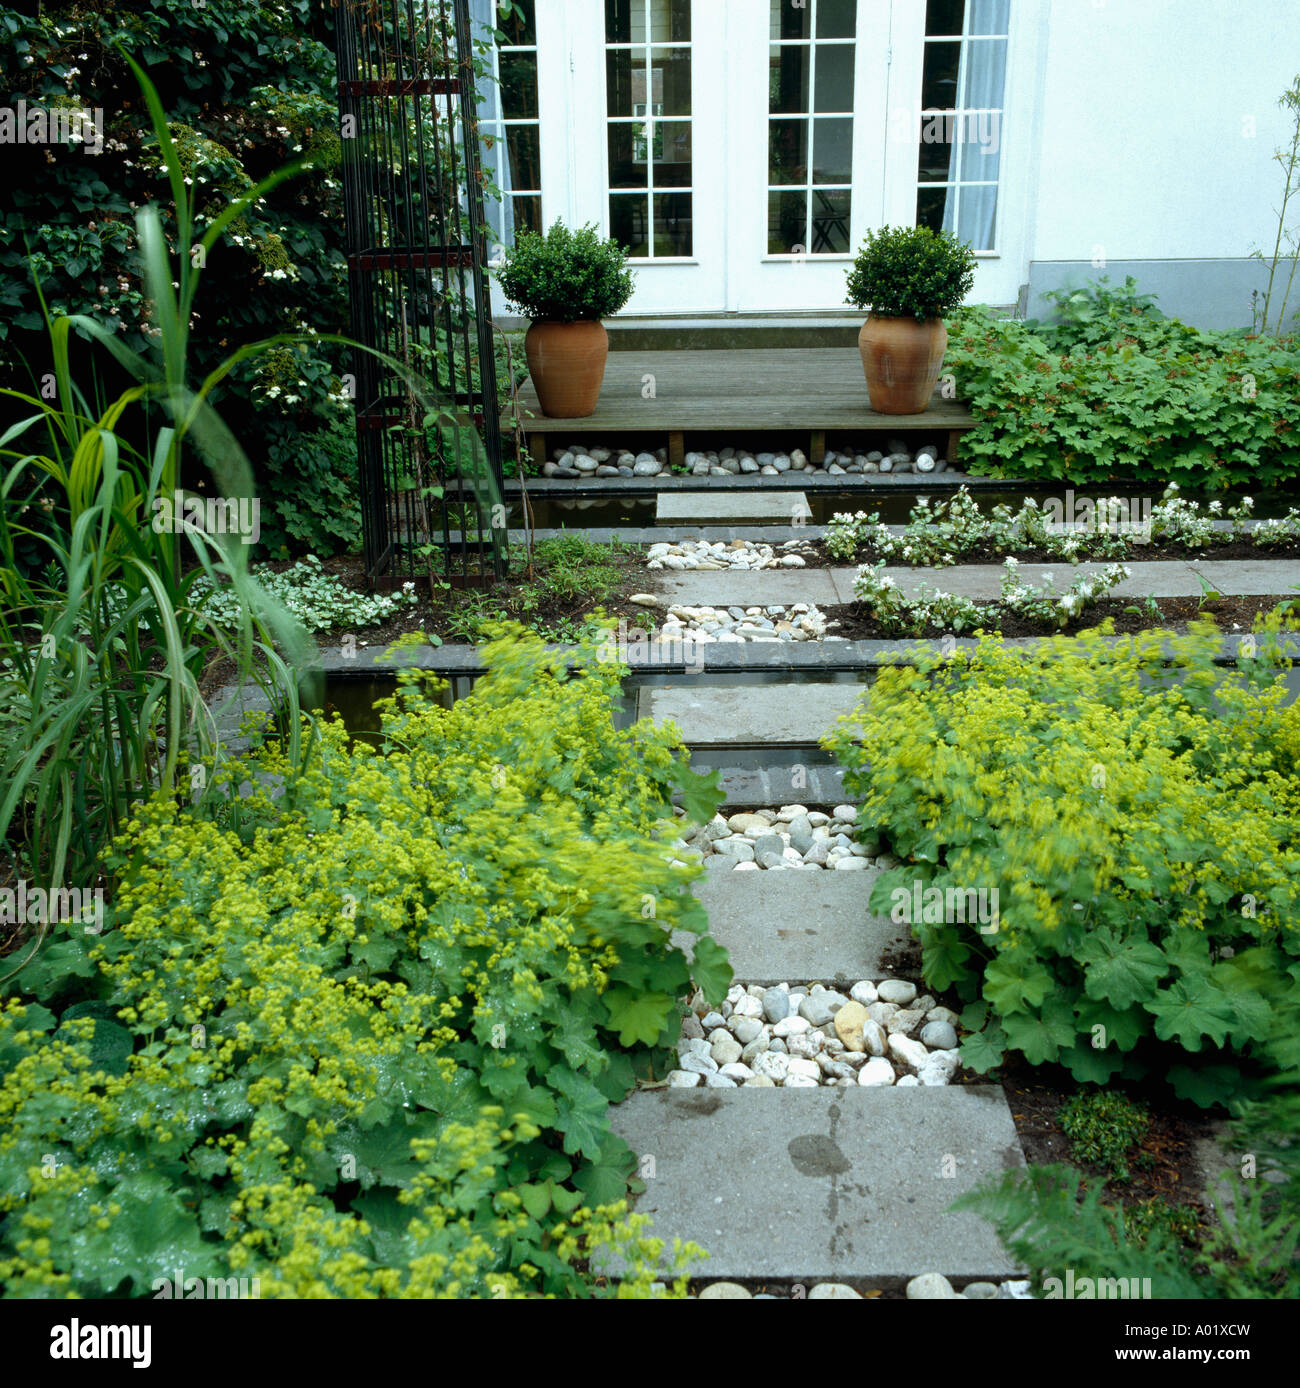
(775, 714)
(1159, 579)
(778, 926)
(823, 1184)
(698, 508)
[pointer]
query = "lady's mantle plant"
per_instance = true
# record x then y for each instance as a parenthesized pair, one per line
(1134, 806)
(358, 1034)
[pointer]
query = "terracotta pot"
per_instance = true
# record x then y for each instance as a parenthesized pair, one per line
(902, 359)
(567, 364)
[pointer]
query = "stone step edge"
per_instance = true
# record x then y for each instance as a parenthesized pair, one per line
(666, 657)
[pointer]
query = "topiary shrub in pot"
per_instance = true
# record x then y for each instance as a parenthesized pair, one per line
(909, 278)
(566, 282)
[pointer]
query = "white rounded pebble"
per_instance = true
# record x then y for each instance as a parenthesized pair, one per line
(930, 1286)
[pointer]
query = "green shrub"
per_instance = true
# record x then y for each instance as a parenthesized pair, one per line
(1115, 393)
(1133, 806)
(248, 85)
(911, 272)
(1103, 1125)
(566, 276)
(358, 1033)
(310, 491)
(104, 633)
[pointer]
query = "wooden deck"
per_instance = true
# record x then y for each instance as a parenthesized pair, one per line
(745, 392)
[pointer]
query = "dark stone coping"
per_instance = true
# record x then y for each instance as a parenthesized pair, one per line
(666, 658)
(755, 534)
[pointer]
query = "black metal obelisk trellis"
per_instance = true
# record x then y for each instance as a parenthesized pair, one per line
(416, 243)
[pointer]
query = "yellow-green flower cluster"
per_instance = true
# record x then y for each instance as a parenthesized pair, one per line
(371, 1002)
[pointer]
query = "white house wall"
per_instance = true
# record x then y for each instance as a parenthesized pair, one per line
(1138, 138)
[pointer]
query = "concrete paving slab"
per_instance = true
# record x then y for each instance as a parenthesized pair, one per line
(983, 582)
(795, 926)
(698, 508)
(747, 788)
(1250, 577)
(839, 1184)
(719, 716)
(747, 588)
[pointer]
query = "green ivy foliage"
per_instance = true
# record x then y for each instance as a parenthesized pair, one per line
(911, 272)
(357, 1034)
(1134, 807)
(1115, 391)
(566, 276)
(249, 87)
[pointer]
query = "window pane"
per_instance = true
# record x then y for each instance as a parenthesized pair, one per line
(989, 16)
(670, 21)
(787, 222)
(524, 145)
(787, 22)
(624, 71)
(830, 221)
(628, 222)
(516, 30)
(944, 17)
(836, 19)
(930, 205)
(939, 82)
(787, 157)
(670, 76)
(833, 151)
(986, 63)
(518, 85)
(672, 223)
(788, 78)
(981, 152)
(528, 214)
(618, 19)
(977, 217)
(673, 154)
(936, 163)
(628, 162)
(835, 77)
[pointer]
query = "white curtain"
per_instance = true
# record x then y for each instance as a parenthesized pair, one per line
(496, 161)
(972, 211)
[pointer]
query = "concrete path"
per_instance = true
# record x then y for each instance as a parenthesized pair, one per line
(775, 714)
(823, 1183)
(796, 926)
(701, 508)
(980, 582)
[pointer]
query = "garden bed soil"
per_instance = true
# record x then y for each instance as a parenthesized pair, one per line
(436, 617)
(817, 558)
(1169, 1169)
(1229, 614)
(1137, 554)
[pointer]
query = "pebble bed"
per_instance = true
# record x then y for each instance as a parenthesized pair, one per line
(798, 1037)
(792, 837)
(582, 461)
(716, 555)
(802, 622)
(930, 1286)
